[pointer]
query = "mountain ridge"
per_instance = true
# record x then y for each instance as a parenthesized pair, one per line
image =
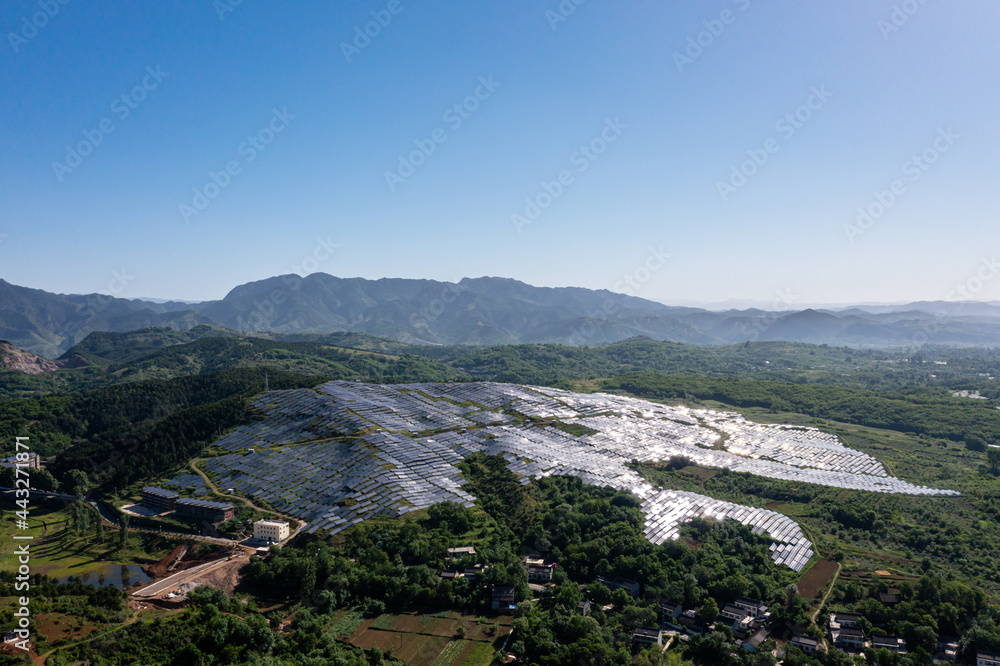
(479, 311)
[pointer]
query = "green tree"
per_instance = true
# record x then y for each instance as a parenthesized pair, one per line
(123, 530)
(993, 459)
(708, 611)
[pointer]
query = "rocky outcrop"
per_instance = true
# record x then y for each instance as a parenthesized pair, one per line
(12, 358)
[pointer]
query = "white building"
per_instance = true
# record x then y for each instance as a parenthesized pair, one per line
(987, 659)
(270, 530)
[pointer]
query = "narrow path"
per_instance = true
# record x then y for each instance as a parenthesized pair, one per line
(833, 581)
(211, 484)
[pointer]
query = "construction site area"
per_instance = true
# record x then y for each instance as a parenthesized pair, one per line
(182, 571)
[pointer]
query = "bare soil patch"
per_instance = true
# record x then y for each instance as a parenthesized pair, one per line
(56, 626)
(816, 578)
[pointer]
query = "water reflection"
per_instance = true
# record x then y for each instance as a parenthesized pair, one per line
(119, 575)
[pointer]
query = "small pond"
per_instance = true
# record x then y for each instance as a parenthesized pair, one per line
(119, 575)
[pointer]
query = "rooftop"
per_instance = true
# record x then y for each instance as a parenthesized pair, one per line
(160, 492)
(208, 504)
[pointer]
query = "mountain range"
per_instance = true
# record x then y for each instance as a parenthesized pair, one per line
(480, 311)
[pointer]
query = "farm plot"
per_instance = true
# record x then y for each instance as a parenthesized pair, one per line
(428, 640)
(817, 578)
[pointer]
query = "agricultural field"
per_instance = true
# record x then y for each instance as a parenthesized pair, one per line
(816, 579)
(441, 639)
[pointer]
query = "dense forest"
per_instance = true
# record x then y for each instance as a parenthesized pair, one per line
(122, 433)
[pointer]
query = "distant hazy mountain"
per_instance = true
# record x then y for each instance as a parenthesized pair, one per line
(481, 311)
(473, 311)
(49, 324)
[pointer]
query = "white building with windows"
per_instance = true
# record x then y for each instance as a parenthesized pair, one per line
(271, 531)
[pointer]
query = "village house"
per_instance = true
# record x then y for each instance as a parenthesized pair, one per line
(734, 614)
(753, 643)
(946, 648)
(30, 460)
(670, 612)
(848, 638)
(987, 659)
(538, 571)
(890, 643)
(689, 622)
(647, 636)
(806, 644)
(502, 599)
(461, 551)
(753, 607)
(617, 583)
(844, 619)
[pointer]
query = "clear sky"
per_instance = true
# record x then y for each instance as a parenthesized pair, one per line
(829, 101)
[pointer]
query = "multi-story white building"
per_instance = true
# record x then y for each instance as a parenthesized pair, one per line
(538, 570)
(271, 531)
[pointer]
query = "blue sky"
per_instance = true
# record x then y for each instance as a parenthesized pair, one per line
(670, 121)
